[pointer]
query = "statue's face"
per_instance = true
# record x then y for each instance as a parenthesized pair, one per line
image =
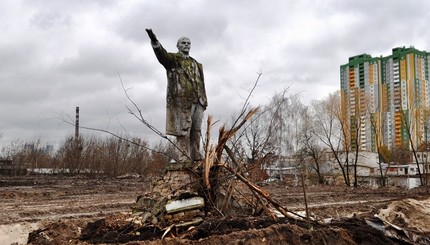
(184, 45)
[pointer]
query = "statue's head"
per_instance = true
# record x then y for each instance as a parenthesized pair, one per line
(184, 45)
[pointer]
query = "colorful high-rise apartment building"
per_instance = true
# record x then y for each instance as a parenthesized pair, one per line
(386, 100)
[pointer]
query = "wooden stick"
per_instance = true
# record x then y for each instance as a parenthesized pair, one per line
(304, 193)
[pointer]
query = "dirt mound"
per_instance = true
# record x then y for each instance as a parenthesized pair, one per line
(120, 229)
(58, 232)
(407, 219)
(420, 190)
(72, 210)
(408, 213)
(352, 231)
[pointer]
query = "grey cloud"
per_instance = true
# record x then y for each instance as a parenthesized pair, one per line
(171, 21)
(66, 5)
(48, 20)
(59, 54)
(16, 55)
(101, 59)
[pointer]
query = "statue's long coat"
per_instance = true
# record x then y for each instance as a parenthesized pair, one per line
(185, 86)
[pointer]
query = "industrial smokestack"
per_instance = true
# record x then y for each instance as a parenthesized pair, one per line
(77, 124)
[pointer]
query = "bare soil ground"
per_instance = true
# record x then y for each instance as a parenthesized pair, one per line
(83, 210)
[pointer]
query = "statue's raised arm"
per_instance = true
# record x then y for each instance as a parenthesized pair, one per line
(151, 35)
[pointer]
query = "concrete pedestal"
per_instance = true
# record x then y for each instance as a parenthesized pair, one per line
(179, 188)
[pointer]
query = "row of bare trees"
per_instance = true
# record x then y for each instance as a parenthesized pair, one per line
(311, 133)
(287, 127)
(91, 155)
(284, 127)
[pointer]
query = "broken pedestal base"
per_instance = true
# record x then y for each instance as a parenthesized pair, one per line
(174, 199)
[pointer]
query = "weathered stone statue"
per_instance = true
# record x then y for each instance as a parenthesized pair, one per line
(186, 96)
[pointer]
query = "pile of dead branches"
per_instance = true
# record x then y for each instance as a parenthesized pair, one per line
(223, 175)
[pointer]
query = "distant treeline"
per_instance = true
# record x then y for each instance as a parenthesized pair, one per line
(88, 155)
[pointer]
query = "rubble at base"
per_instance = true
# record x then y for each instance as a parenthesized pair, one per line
(174, 199)
(228, 230)
(128, 228)
(348, 212)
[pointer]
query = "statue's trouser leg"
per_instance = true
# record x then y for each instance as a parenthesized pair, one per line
(197, 111)
(183, 143)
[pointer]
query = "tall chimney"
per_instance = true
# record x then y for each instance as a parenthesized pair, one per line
(77, 123)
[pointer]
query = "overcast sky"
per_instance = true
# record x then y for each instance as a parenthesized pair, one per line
(59, 54)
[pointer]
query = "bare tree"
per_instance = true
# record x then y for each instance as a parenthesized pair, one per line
(377, 130)
(425, 144)
(355, 132)
(121, 157)
(73, 153)
(287, 124)
(28, 155)
(409, 127)
(330, 127)
(275, 132)
(312, 153)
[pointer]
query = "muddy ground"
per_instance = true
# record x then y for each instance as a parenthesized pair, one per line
(84, 210)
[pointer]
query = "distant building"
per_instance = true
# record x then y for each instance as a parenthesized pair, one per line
(386, 98)
(369, 171)
(280, 166)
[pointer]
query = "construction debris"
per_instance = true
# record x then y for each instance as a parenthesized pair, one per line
(406, 220)
(182, 205)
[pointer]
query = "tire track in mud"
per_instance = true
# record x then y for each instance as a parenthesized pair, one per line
(82, 198)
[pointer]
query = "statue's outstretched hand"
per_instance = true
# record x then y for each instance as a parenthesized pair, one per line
(151, 35)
